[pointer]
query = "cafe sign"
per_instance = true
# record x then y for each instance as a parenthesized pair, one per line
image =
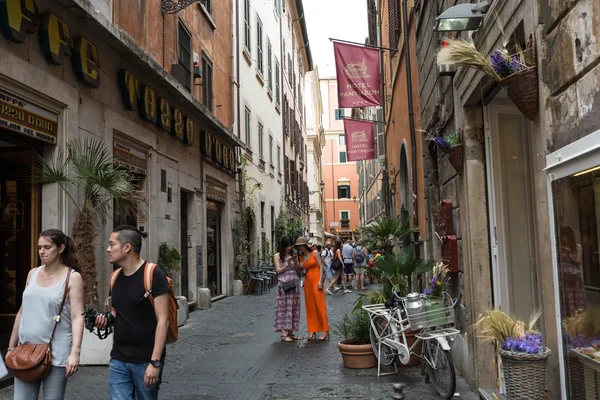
(129, 158)
(19, 18)
(27, 119)
(217, 152)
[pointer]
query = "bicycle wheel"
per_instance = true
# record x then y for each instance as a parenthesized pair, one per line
(379, 327)
(442, 373)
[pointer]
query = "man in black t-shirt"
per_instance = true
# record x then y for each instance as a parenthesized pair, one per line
(140, 329)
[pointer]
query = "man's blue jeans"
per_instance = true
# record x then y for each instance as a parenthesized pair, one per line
(126, 382)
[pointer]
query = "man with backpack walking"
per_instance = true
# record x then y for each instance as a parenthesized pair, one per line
(141, 304)
(359, 257)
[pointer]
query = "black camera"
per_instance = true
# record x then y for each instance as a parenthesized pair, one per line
(90, 322)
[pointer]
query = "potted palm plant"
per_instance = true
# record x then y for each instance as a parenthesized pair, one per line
(88, 166)
(384, 232)
(355, 345)
(398, 273)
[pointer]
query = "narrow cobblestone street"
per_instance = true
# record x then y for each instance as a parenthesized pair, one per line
(231, 352)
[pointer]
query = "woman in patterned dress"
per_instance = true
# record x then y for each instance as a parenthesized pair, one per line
(287, 304)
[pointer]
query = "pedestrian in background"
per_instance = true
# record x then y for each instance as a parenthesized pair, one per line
(287, 303)
(140, 327)
(337, 266)
(359, 258)
(326, 257)
(347, 253)
(43, 295)
(314, 296)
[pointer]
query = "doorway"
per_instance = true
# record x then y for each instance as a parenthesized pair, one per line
(511, 216)
(185, 290)
(19, 227)
(213, 247)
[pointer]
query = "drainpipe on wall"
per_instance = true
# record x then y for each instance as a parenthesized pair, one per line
(384, 173)
(411, 120)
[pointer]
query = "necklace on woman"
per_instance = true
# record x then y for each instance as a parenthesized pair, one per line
(53, 276)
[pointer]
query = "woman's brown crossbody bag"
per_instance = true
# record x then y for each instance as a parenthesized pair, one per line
(32, 362)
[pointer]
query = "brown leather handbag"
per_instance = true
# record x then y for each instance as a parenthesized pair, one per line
(32, 362)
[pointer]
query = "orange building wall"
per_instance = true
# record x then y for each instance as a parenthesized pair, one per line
(331, 173)
(398, 127)
(156, 33)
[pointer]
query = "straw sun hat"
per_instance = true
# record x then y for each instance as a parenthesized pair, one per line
(301, 241)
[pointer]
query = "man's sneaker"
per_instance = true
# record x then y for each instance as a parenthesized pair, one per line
(347, 291)
(328, 291)
(337, 289)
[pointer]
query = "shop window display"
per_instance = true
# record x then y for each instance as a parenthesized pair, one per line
(577, 219)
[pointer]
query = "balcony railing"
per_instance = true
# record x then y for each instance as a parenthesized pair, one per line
(345, 223)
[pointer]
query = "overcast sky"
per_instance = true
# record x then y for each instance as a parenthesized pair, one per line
(339, 19)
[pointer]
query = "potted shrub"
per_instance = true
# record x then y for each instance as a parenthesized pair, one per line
(450, 143)
(397, 273)
(523, 356)
(355, 345)
(169, 259)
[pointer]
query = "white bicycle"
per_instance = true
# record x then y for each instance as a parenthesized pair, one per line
(433, 320)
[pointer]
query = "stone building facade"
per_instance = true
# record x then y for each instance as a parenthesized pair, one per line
(296, 61)
(160, 102)
(532, 180)
(315, 135)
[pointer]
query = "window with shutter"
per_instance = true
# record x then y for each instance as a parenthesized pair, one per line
(394, 24)
(207, 82)
(380, 133)
(185, 57)
(259, 45)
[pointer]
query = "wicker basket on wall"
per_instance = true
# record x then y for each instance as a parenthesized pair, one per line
(525, 375)
(522, 87)
(455, 156)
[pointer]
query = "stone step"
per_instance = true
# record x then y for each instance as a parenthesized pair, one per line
(491, 394)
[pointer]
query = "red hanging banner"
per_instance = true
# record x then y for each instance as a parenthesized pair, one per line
(358, 75)
(360, 140)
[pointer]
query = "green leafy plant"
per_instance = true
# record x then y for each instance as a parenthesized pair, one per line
(88, 166)
(169, 258)
(285, 225)
(384, 232)
(397, 273)
(353, 327)
(244, 224)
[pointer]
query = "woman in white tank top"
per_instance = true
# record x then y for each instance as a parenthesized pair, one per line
(41, 302)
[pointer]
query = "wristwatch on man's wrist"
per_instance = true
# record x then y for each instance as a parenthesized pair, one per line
(155, 363)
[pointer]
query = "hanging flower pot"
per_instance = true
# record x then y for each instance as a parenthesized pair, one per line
(513, 69)
(522, 89)
(455, 156)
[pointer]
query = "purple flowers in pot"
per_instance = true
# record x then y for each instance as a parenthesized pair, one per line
(530, 343)
(506, 65)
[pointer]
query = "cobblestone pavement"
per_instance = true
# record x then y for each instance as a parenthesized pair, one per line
(232, 352)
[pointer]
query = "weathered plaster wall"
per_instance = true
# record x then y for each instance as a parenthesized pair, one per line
(572, 65)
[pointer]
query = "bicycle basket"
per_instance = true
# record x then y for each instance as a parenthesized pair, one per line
(434, 312)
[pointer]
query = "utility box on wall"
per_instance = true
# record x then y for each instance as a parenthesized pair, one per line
(446, 226)
(450, 252)
(448, 237)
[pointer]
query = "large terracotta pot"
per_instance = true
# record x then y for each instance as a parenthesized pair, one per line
(410, 340)
(357, 355)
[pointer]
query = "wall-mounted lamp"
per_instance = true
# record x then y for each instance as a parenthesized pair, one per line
(354, 199)
(462, 17)
(393, 188)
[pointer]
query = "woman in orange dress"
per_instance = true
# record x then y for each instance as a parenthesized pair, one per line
(314, 296)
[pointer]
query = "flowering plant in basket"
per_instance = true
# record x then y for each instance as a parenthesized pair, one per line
(440, 281)
(524, 357)
(516, 71)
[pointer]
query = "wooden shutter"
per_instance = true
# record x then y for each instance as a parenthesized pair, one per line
(394, 23)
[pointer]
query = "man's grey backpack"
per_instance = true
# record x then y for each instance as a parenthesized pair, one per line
(359, 254)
